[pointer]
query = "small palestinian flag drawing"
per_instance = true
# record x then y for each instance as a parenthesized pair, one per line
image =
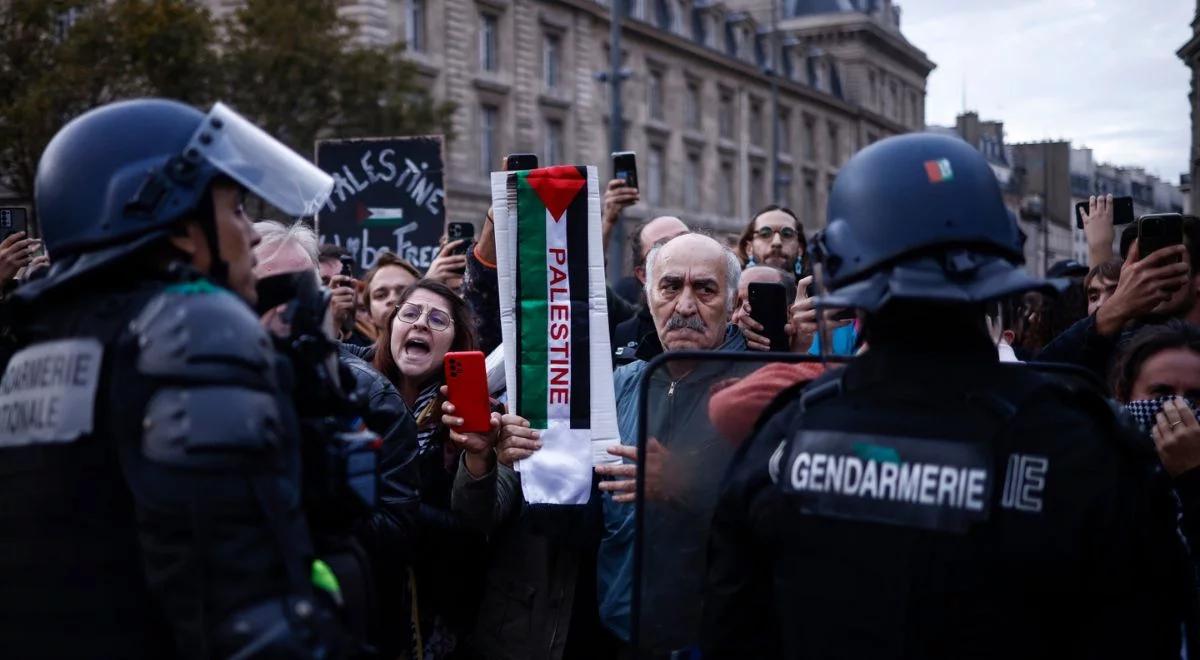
(554, 321)
(378, 217)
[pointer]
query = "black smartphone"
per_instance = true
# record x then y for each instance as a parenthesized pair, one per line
(768, 306)
(347, 265)
(12, 220)
(463, 231)
(1158, 231)
(514, 162)
(1122, 211)
(625, 167)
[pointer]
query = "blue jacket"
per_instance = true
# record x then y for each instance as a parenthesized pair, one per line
(614, 562)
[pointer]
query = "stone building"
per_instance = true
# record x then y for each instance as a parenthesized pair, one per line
(1190, 54)
(697, 99)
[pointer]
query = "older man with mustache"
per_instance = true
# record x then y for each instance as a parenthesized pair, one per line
(691, 287)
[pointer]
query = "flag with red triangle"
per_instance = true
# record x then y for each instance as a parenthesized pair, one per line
(554, 322)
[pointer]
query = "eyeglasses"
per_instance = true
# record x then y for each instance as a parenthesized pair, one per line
(786, 233)
(438, 320)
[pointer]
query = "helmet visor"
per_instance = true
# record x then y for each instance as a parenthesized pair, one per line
(262, 164)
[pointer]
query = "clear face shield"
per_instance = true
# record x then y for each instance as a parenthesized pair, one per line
(264, 165)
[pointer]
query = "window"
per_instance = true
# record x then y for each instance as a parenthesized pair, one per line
(785, 184)
(654, 175)
(873, 86)
(551, 54)
(663, 17)
(893, 101)
(489, 147)
(756, 122)
(785, 130)
(654, 94)
(414, 25)
(554, 142)
(691, 111)
(835, 145)
(757, 181)
(489, 33)
(810, 199)
(810, 137)
(725, 114)
(692, 180)
(725, 185)
(913, 109)
(699, 27)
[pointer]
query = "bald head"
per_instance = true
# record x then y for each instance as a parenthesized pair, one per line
(690, 285)
(653, 232)
(765, 274)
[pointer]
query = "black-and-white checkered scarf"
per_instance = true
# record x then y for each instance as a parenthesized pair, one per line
(1144, 411)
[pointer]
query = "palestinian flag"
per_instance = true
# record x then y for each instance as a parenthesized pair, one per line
(554, 320)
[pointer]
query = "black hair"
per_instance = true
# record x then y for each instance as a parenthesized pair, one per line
(748, 233)
(1148, 342)
(330, 251)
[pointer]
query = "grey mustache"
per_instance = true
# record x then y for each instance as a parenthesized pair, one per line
(677, 322)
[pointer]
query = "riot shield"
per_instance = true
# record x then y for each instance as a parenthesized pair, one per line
(697, 409)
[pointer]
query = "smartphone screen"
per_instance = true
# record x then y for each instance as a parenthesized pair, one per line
(514, 162)
(768, 306)
(1159, 231)
(625, 167)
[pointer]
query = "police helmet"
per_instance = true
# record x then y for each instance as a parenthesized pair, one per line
(123, 173)
(918, 217)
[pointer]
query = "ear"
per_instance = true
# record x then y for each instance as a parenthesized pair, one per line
(1008, 336)
(190, 240)
(640, 273)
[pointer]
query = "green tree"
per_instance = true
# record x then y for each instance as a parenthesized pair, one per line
(60, 58)
(293, 67)
(296, 69)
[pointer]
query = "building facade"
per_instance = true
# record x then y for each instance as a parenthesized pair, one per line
(528, 76)
(1043, 181)
(1190, 54)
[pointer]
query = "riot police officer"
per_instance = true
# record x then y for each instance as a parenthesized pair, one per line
(151, 468)
(926, 501)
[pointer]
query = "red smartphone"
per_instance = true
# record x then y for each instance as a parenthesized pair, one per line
(466, 378)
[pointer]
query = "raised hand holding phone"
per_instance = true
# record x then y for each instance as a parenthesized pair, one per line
(768, 307)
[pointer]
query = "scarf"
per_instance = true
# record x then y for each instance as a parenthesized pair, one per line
(1144, 411)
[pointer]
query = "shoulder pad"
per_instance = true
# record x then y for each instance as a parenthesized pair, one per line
(211, 427)
(200, 334)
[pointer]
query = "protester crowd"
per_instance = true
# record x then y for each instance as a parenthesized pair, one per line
(459, 565)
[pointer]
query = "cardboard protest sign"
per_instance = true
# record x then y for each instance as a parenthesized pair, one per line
(554, 322)
(388, 196)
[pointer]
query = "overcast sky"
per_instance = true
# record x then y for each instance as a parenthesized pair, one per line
(1101, 73)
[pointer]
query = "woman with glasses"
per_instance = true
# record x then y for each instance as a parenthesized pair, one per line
(429, 321)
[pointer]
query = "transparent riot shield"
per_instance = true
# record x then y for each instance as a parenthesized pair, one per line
(697, 409)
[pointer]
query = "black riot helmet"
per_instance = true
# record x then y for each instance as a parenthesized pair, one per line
(121, 175)
(918, 217)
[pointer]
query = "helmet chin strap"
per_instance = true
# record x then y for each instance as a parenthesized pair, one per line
(218, 269)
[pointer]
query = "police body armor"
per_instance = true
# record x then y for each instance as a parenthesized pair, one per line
(151, 482)
(958, 510)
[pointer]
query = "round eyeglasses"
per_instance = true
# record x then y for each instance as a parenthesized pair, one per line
(437, 319)
(786, 233)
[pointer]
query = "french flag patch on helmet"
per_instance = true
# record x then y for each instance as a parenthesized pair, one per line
(938, 170)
